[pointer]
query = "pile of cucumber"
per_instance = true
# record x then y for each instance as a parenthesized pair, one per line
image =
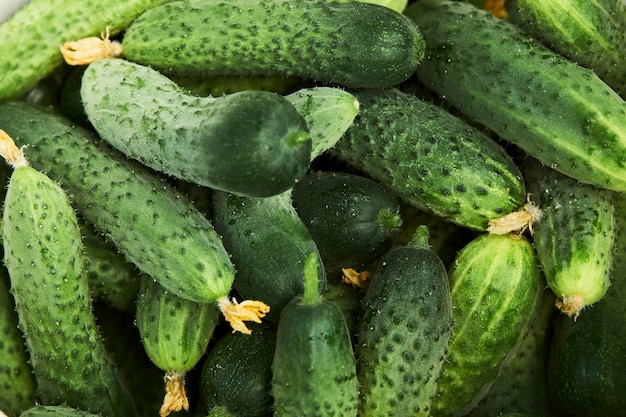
(313, 208)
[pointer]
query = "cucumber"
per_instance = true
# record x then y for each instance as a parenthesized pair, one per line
(314, 367)
(500, 77)
(496, 288)
(590, 33)
(352, 44)
(44, 256)
(237, 375)
(586, 370)
(218, 85)
(17, 382)
(397, 5)
(252, 143)
(61, 410)
(175, 333)
(155, 227)
(575, 237)
(432, 159)
(351, 218)
(404, 332)
(30, 39)
(268, 243)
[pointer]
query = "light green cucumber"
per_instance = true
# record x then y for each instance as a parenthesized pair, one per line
(431, 159)
(496, 288)
(175, 333)
(43, 253)
(17, 382)
(31, 38)
(352, 44)
(574, 237)
(590, 33)
(156, 228)
(61, 410)
(502, 78)
(252, 143)
(404, 332)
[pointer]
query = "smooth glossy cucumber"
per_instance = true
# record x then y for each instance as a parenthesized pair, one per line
(432, 159)
(404, 332)
(500, 77)
(496, 289)
(252, 143)
(353, 44)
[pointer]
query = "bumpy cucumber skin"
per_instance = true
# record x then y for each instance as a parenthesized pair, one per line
(44, 255)
(155, 227)
(17, 383)
(175, 332)
(590, 33)
(31, 38)
(252, 143)
(431, 158)
(575, 236)
(403, 334)
(550, 107)
(314, 368)
(268, 244)
(496, 288)
(352, 44)
(61, 410)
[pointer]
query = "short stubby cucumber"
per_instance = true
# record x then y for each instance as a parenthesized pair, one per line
(252, 143)
(175, 333)
(431, 159)
(404, 332)
(30, 39)
(499, 76)
(496, 288)
(352, 44)
(575, 236)
(43, 253)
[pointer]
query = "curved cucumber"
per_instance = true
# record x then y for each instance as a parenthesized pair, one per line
(496, 289)
(44, 256)
(403, 333)
(353, 44)
(553, 109)
(431, 158)
(252, 143)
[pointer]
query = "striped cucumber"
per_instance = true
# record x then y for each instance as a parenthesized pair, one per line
(404, 332)
(252, 143)
(352, 44)
(155, 227)
(44, 256)
(575, 237)
(175, 333)
(496, 289)
(500, 77)
(30, 39)
(314, 368)
(431, 158)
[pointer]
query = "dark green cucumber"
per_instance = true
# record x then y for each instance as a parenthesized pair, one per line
(43, 253)
(496, 289)
(587, 369)
(431, 158)
(61, 410)
(30, 39)
(404, 332)
(252, 143)
(499, 76)
(353, 44)
(590, 33)
(155, 227)
(314, 368)
(268, 244)
(351, 218)
(237, 376)
(17, 382)
(574, 237)
(175, 333)
(218, 85)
